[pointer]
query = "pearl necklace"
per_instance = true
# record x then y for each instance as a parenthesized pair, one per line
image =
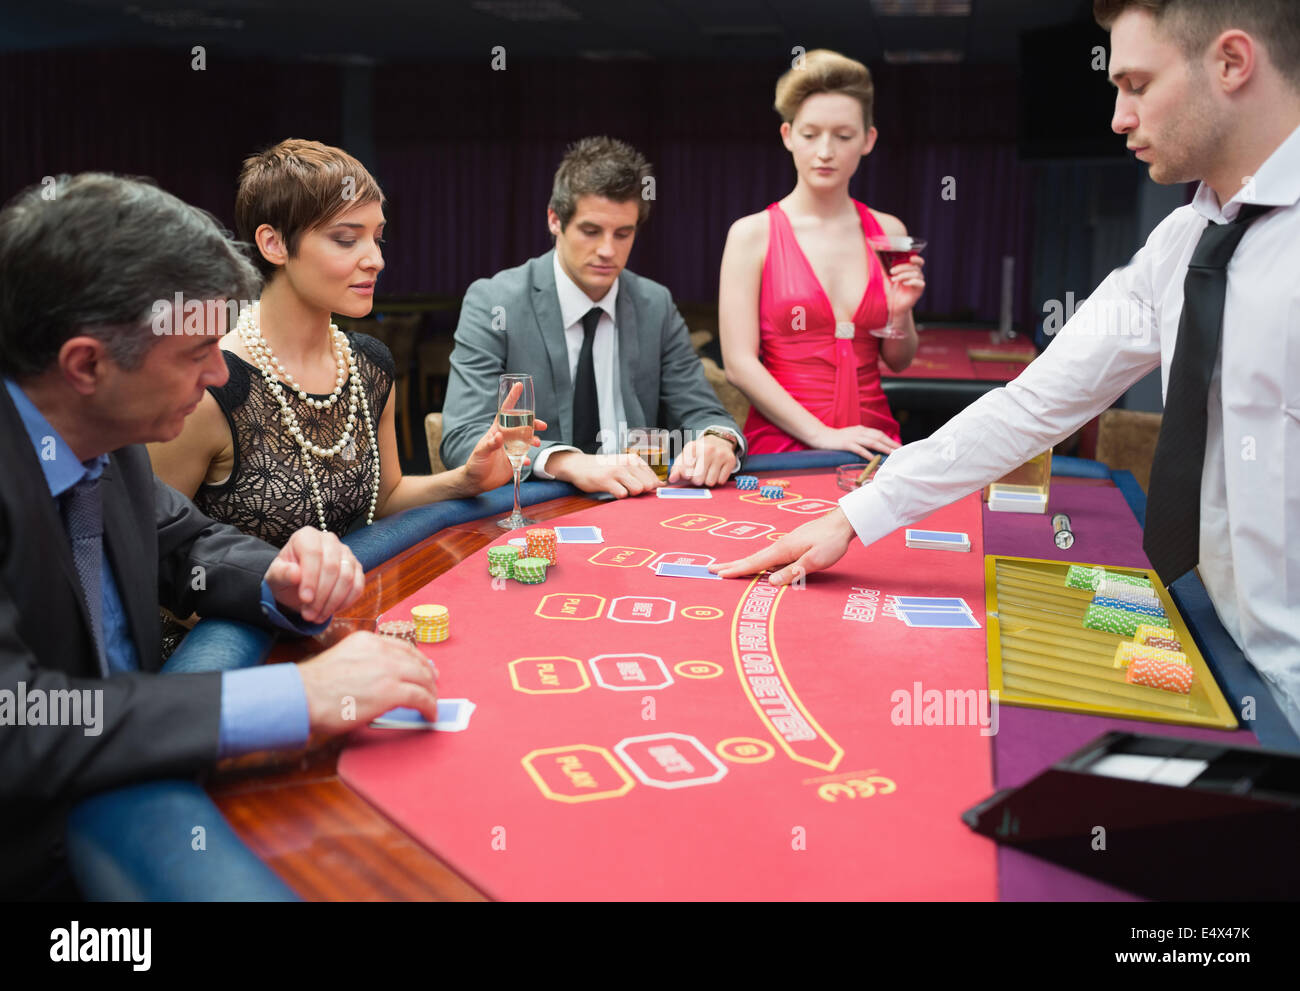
(272, 371)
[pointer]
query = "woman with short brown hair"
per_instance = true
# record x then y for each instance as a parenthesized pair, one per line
(302, 432)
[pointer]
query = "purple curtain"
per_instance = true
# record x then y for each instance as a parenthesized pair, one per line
(466, 155)
(148, 113)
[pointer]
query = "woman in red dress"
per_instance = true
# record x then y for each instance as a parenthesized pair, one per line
(801, 290)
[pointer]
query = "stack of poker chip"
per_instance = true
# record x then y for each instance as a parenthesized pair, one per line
(1128, 652)
(746, 482)
(530, 570)
(772, 492)
(1080, 577)
(1137, 581)
(1157, 636)
(501, 560)
(1152, 609)
(1112, 620)
(1111, 587)
(432, 623)
(1166, 675)
(400, 629)
(1120, 603)
(541, 542)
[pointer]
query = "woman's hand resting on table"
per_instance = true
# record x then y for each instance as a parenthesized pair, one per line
(865, 442)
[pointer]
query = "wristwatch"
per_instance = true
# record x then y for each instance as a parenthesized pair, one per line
(730, 438)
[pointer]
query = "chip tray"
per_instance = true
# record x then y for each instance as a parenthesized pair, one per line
(1041, 655)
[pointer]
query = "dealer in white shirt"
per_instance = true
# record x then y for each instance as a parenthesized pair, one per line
(1229, 117)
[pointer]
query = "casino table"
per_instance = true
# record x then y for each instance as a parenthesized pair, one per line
(953, 367)
(647, 737)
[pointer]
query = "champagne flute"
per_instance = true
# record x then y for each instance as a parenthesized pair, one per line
(515, 417)
(893, 249)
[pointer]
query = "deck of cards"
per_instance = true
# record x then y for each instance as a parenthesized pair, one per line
(683, 493)
(937, 540)
(578, 535)
(453, 716)
(935, 613)
(1016, 499)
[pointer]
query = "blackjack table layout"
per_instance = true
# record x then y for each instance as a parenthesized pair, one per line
(631, 729)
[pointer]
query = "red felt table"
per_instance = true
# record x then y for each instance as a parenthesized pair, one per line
(459, 816)
(944, 353)
(641, 737)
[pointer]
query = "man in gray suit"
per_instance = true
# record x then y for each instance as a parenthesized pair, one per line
(91, 542)
(607, 349)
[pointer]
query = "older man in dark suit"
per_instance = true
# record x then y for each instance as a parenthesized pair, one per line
(96, 361)
(607, 349)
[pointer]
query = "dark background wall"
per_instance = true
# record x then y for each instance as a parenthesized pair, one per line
(466, 153)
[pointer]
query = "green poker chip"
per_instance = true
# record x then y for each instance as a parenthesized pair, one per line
(1135, 580)
(1110, 620)
(1080, 577)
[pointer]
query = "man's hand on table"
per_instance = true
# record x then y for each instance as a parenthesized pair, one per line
(375, 673)
(315, 575)
(706, 461)
(620, 475)
(812, 547)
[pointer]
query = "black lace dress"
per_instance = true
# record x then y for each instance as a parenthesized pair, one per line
(268, 493)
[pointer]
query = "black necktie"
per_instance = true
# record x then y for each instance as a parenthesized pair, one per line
(586, 407)
(1172, 537)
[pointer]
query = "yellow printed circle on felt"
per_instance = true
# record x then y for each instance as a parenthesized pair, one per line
(701, 612)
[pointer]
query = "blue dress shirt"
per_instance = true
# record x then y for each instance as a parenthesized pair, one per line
(262, 708)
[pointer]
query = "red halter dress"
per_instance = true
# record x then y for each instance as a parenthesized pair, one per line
(827, 367)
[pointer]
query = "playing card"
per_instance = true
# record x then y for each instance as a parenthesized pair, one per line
(938, 619)
(676, 493)
(453, 716)
(931, 603)
(936, 537)
(578, 535)
(684, 571)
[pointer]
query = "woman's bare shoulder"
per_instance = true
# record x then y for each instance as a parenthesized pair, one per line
(749, 233)
(888, 222)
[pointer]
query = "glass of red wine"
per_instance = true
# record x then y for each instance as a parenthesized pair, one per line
(893, 249)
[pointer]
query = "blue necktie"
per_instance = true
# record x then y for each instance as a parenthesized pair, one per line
(83, 518)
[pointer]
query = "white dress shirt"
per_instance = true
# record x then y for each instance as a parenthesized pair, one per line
(574, 305)
(1250, 487)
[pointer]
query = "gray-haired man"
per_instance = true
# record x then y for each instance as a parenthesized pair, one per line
(91, 542)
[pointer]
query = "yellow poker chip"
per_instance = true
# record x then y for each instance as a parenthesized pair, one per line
(429, 612)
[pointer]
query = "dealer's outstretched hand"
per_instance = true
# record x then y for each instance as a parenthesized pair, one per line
(812, 547)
